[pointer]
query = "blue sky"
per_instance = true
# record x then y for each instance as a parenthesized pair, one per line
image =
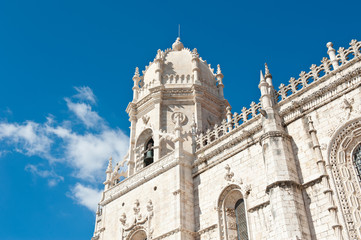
(66, 72)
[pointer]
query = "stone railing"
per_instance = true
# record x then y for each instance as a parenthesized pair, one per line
(317, 72)
(328, 65)
(227, 126)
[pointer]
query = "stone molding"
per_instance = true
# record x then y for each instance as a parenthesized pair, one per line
(283, 184)
(198, 164)
(201, 157)
(273, 134)
(259, 206)
(175, 231)
(138, 179)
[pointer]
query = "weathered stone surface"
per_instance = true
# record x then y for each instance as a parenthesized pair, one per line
(289, 157)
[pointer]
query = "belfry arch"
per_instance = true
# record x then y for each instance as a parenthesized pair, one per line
(340, 157)
(144, 149)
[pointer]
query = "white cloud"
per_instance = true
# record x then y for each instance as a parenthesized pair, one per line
(85, 113)
(86, 153)
(89, 153)
(27, 138)
(53, 178)
(86, 196)
(85, 94)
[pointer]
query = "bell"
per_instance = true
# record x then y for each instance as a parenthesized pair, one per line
(148, 158)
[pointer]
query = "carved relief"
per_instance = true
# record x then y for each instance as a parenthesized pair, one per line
(145, 119)
(229, 175)
(178, 115)
(350, 111)
(138, 225)
(347, 184)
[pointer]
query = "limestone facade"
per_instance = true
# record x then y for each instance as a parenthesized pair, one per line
(284, 168)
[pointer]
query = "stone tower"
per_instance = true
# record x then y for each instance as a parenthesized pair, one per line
(177, 95)
(287, 167)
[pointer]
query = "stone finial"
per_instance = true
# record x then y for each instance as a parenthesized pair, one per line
(219, 69)
(110, 165)
(195, 52)
(228, 109)
(329, 46)
(261, 77)
(177, 45)
(159, 54)
(136, 73)
(332, 54)
(266, 71)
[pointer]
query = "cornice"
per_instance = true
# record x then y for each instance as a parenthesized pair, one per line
(221, 149)
(139, 178)
(272, 134)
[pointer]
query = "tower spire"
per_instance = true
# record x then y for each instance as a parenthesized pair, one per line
(261, 77)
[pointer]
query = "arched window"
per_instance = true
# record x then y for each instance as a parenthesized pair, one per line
(241, 220)
(148, 153)
(357, 161)
(232, 214)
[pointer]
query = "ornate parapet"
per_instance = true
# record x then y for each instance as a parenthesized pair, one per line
(291, 110)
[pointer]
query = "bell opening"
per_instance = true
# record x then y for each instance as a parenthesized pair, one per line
(149, 153)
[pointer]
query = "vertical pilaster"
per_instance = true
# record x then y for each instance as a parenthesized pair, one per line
(157, 114)
(325, 181)
(184, 193)
(131, 163)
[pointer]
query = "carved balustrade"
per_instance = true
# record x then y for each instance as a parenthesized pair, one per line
(211, 135)
(317, 72)
(305, 79)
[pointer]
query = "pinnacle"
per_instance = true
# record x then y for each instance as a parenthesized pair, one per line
(261, 77)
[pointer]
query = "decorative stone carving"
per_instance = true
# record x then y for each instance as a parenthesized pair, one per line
(138, 223)
(229, 175)
(347, 106)
(340, 150)
(178, 115)
(145, 119)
